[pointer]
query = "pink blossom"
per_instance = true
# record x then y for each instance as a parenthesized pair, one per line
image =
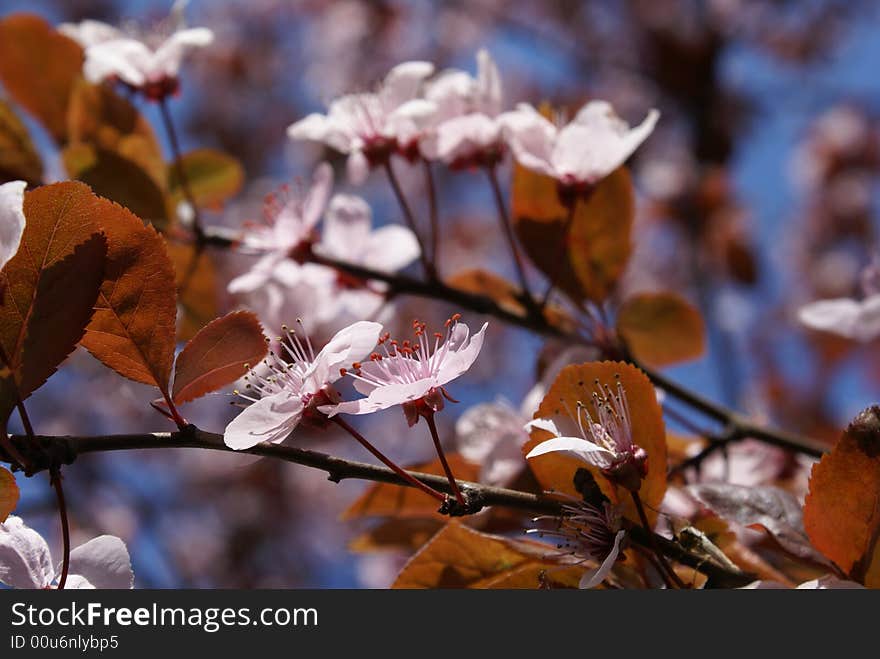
(149, 63)
(25, 561)
(412, 374)
(348, 236)
(466, 127)
(296, 383)
(370, 127)
(11, 219)
(289, 224)
(579, 154)
(604, 442)
(492, 434)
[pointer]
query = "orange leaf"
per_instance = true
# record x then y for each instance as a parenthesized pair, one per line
(218, 355)
(841, 512)
(599, 243)
(459, 557)
(576, 383)
(213, 176)
(661, 328)
(505, 294)
(100, 117)
(396, 534)
(386, 500)
(198, 302)
(52, 283)
(8, 494)
(19, 159)
(38, 68)
(117, 178)
(133, 328)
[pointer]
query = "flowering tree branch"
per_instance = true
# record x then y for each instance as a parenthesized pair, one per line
(48, 452)
(736, 425)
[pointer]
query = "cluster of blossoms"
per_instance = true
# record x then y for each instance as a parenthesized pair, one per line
(26, 562)
(147, 62)
(458, 119)
(288, 235)
(298, 384)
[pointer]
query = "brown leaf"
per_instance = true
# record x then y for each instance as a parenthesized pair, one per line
(198, 303)
(133, 328)
(763, 507)
(396, 534)
(459, 557)
(218, 355)
(599, 244)
(52, 283)
(9, 494)
(505, 294)
(661, 328)
(38, 68)
(386, 500)
(19, 159)
(117, 178)
(576, 383)
(99, 116)
(213, 176)
(842, 513)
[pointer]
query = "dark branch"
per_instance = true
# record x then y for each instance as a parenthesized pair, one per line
(47, 451)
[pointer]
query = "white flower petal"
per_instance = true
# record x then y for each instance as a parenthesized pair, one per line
(25, 561)
(316, 198)
(348, 345)
(461, 356)
(103, 562)
(11, 219)
(838, 316)
(126, 59)
(390, 249)
(592, 578)
(404, 81)
(576, 447)
(168, 57)
(346, 228)
(270, 419)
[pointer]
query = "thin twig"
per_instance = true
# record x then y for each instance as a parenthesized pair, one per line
(507, 231)
(410, 219)
(433, 211)
(414, 482)
(453, 484)
(55, 480)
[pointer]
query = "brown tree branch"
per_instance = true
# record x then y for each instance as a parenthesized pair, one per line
(45, 452)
